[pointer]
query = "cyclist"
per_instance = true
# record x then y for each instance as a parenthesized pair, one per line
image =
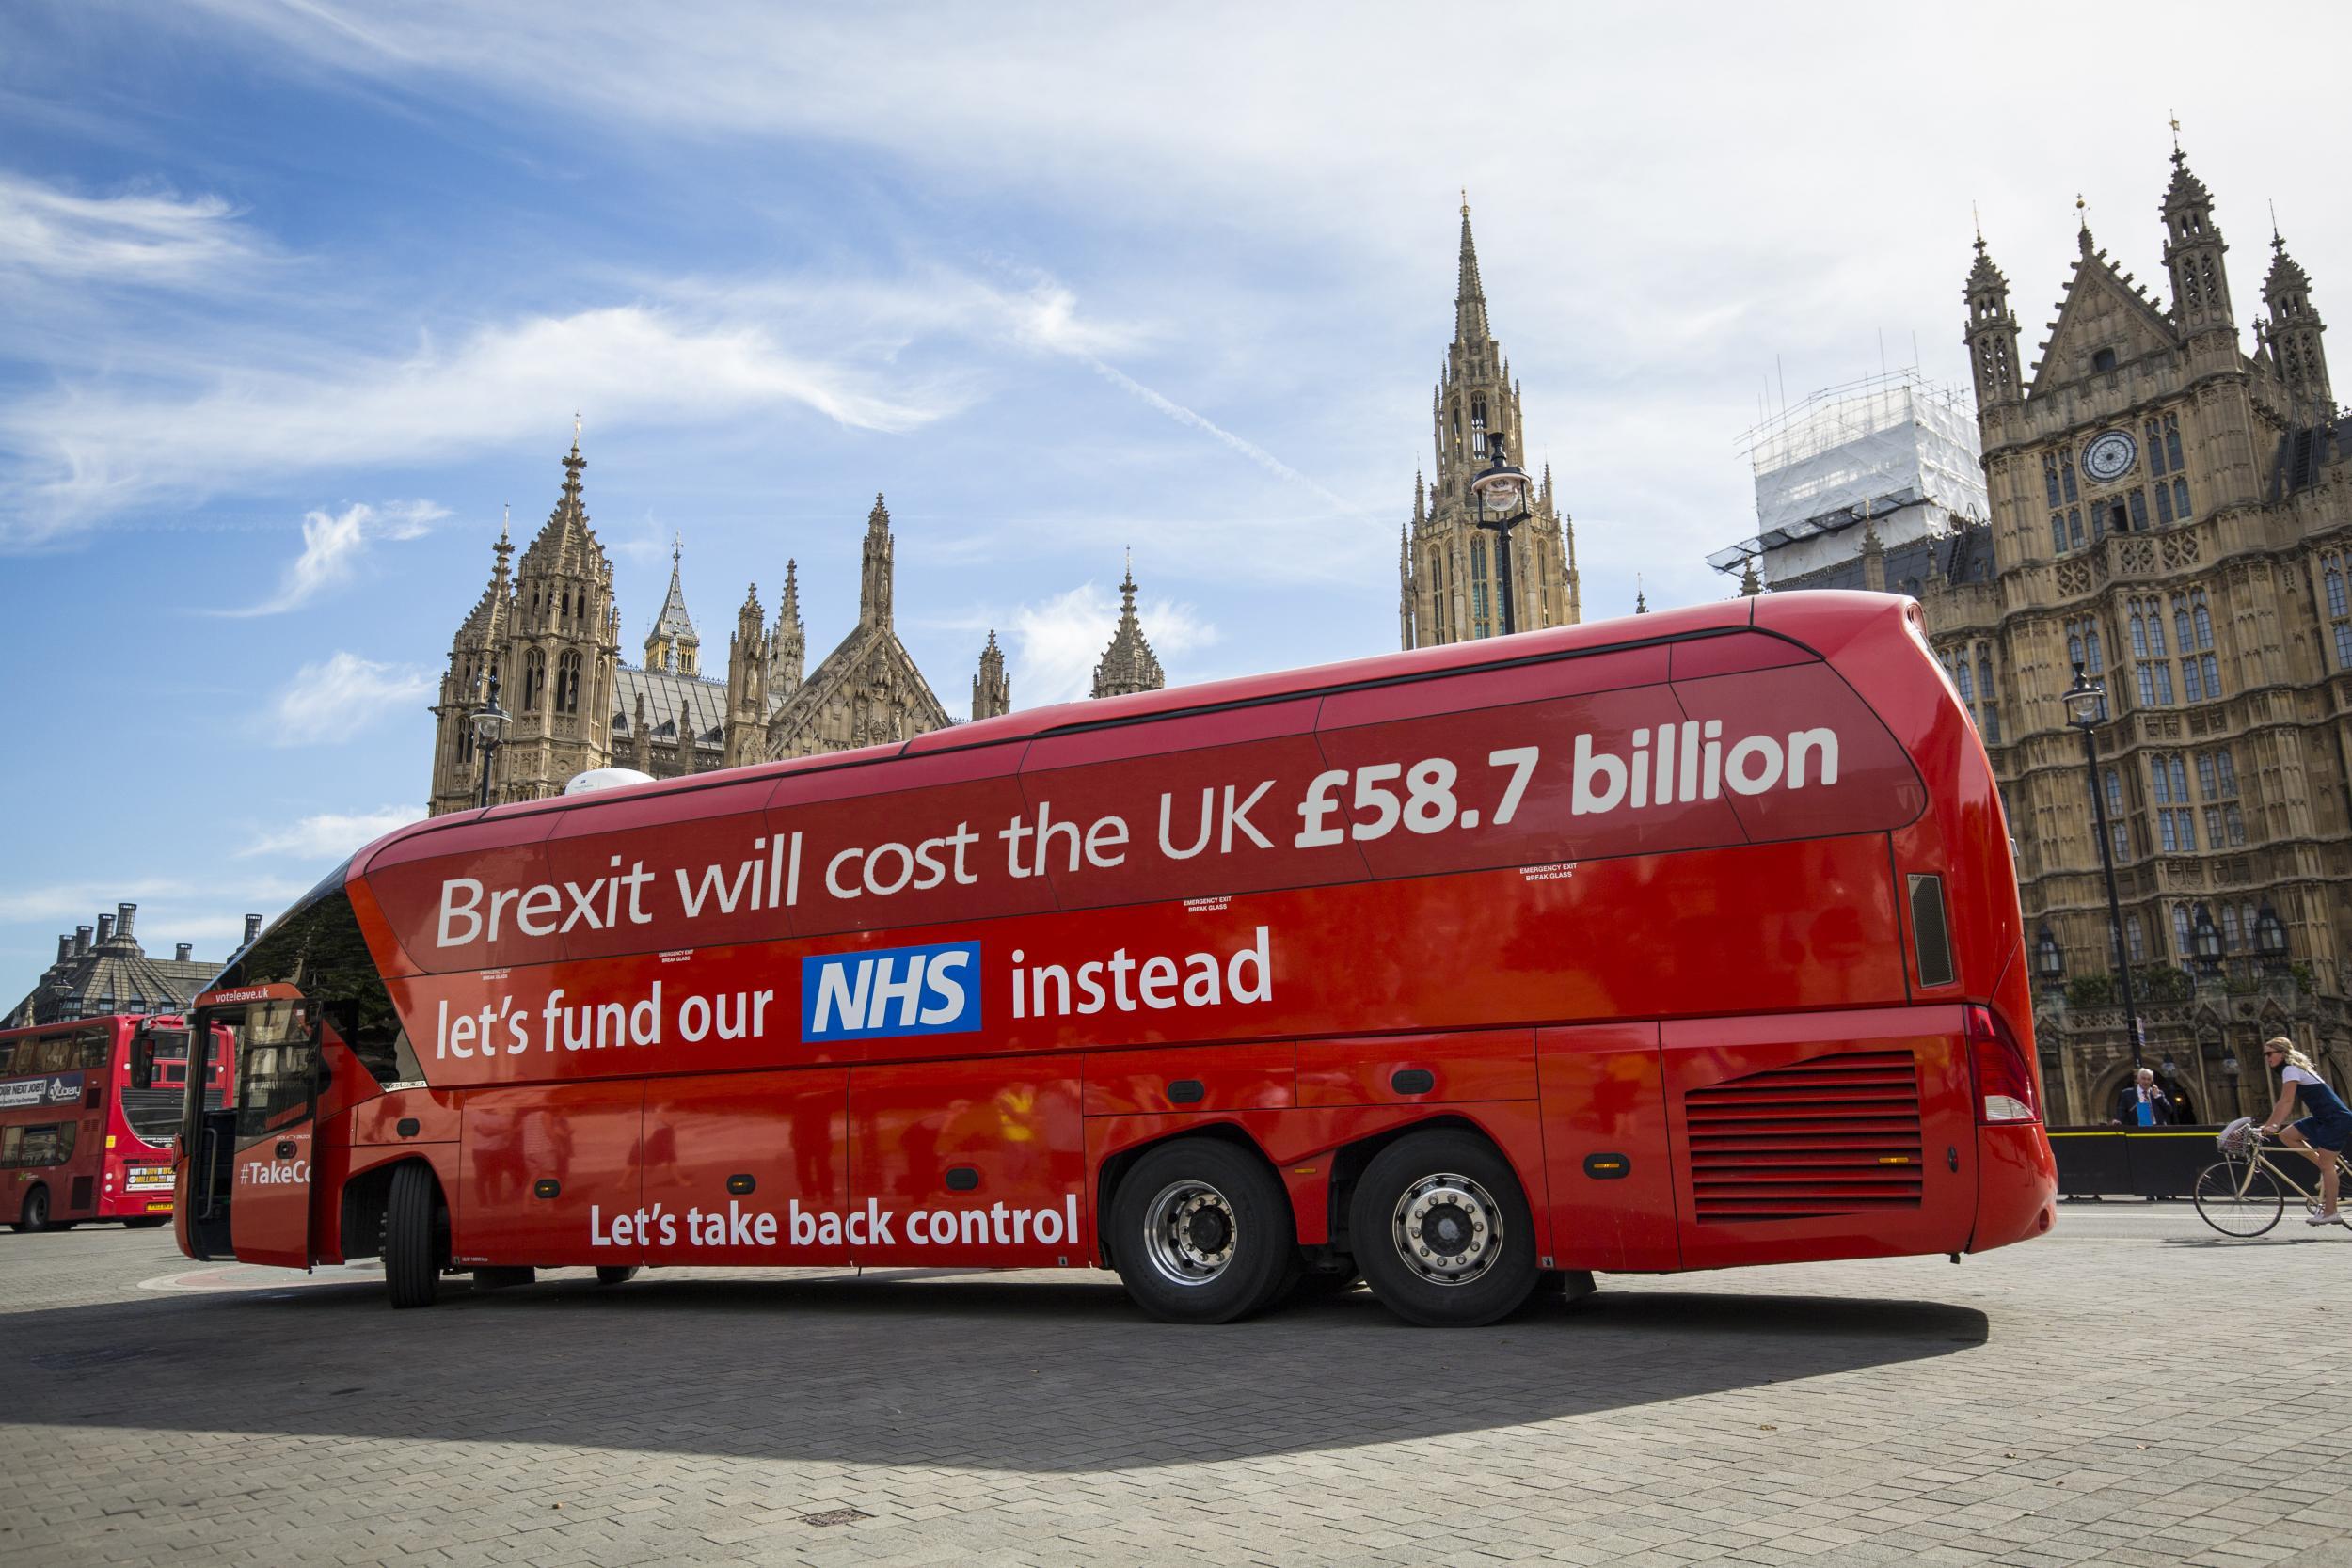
(2326, 1127)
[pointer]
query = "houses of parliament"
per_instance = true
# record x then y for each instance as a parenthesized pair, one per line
(548, 630)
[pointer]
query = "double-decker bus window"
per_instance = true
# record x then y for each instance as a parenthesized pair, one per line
(92, 1047)
(31, 1147)
(56, 1053)
(151, 1096)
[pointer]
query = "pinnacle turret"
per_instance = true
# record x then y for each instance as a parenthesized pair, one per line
(991, 689)
(673, 643)
(1128, 665)
(874, 580)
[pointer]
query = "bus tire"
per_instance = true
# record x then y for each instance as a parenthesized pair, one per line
(1202, 1232)
(616, 1274)
(1442, 1230)
(33, 1218)
(412, 1236)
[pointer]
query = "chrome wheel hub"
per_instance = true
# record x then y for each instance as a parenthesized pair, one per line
(1447, 1228)
(1189, 1231)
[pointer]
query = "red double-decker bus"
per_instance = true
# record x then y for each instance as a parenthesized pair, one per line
(88, 1112)
(1667, 944)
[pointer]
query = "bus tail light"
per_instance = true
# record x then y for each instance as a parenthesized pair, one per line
(2004, 1079)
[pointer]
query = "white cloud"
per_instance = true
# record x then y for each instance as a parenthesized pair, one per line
(331, 836)
(86, 456)
(336, 700)
(140, 236)
(1056, 641)
(171, 909)
(332, 546)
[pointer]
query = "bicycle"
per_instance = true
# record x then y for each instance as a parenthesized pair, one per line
(2240, 1194)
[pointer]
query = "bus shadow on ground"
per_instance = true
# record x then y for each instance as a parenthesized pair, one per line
(964, 1372)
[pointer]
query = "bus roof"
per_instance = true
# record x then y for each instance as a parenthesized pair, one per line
(1814, 620)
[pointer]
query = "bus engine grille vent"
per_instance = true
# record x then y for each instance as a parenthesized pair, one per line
(1832, 1135)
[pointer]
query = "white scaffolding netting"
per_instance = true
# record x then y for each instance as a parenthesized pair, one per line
(1868, 448)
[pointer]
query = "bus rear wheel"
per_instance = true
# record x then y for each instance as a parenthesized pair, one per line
(1201, 1232)
(33, 1218)
(413, 1244)
(1443, 1231)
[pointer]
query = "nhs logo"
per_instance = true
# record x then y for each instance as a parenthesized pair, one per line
(891, 990)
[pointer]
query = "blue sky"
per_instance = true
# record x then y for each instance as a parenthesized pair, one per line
(293, 297)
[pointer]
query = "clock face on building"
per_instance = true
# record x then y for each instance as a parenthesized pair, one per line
(2110, 456)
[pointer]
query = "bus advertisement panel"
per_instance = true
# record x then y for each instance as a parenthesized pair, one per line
(1668, 943)
(87, 1113)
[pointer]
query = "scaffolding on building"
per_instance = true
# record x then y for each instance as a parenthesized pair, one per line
(1868, 448)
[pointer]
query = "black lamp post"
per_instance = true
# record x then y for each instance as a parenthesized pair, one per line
(2047, 957)
(489, 728)
(1503, 491)
(2270, 936)
(2083, 701)
(2204, 937)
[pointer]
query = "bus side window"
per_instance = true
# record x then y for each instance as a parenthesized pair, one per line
(95, 1045)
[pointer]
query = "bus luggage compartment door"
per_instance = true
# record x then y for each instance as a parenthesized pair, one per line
(968, 1164)
(1818, 1136)
(750, 1167)
(1605, 1151)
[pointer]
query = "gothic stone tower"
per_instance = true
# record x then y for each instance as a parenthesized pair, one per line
(1451, 590)
(552, 641)
(1128, 665)
(2174, 517)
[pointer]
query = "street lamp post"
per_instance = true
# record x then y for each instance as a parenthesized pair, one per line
(489, 727)
(1502, 490)
(2083, 700)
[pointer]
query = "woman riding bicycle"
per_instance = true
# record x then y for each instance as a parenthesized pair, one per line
(2325, 1129)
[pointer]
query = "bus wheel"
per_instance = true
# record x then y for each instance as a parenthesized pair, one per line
(33, 1218)
(1443, 1231)
(1203, 1233)
(616, 1274)
(412, 1236)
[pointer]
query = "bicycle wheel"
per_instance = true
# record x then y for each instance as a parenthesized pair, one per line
(2238, 1200)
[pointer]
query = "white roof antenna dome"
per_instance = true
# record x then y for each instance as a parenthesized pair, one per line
(605, 777)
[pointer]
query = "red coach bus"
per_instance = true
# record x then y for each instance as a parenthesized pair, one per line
(88, 1111)
(1666, 943)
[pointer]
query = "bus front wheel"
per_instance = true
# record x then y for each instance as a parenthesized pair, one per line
(1203, 1233)
(413, 1245)
(33, 1218)
(1443, 1231)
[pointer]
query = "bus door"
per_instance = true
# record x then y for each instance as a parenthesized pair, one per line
(249, 1163)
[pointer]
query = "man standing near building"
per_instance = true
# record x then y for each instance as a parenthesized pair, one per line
(2142, 1103)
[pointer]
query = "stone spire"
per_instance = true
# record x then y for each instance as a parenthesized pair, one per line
(671, 645)
(1128, 665)
(1470, 295)
(565, 542)
(2296, 326)
(2192, 253)
(1873, 554)
(787, 649)
(991, 689)
(1992, 335)
(1750, 584)
(873, 597)
(1641, 600)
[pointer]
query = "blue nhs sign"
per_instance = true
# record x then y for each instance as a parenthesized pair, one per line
(886, 992)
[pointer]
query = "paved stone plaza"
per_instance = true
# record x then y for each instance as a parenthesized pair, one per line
(2132, 1389)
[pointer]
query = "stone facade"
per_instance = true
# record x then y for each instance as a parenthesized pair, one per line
(549, 633)
(1448, 569)
(2174, 515)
